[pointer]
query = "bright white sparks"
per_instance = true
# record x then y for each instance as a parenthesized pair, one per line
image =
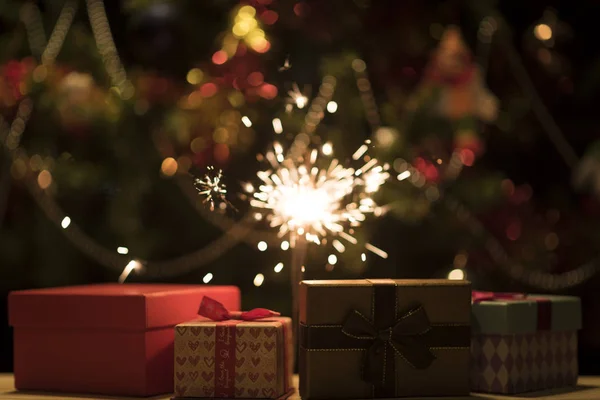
(402, 176)
(363, 257)
(207, 278)
(332, 259)
(285, 245)
(259, 279)
(313, 198)
(122, 250)
(65, 222)
(296, 97)
(246, 121)
(212, 188)
(327, 149)
(278, 267)
(277, 126)
(262, 246)
(133, 265)
(332, 106)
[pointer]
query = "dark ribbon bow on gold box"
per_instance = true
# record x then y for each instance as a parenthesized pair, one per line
(408, 334)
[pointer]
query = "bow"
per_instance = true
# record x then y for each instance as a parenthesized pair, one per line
(477, 297)
(211, 308)
(406, 338)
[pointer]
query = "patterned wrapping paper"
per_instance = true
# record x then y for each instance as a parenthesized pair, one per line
(523, 343)
(233, 359)
(518, 363)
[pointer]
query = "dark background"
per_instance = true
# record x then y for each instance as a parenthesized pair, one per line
(394, 38)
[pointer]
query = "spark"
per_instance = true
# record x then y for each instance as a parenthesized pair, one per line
(327, 149)
(246, 121)
(122, 250)
(277, 126)
(312, 197)
(297, 97)
(259, 279)
(207, 278)
(403, 175)
(212, 187)
(376, 250)
(332, 259)
(262, 246)
(65, 222)
(456, 274)
(286, 65)
(278, 267)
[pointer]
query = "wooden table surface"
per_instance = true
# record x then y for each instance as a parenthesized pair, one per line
(588, 389)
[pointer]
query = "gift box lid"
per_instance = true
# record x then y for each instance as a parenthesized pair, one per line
(114, 306)
(518, 316)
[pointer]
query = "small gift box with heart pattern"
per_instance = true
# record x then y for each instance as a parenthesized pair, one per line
(233, 354)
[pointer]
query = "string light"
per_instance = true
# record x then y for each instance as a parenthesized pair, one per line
(277, 126)
(133, 265)
(259, 279)
(122, 250)
(278, 267)
(332, 107)
(456, 274)
(543, 32)
(207, 278)
(246, 121)
(262, 246)
(305, 200)
(65, 222)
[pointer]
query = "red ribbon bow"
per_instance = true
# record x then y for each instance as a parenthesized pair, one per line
(211, 308)
(477, 297)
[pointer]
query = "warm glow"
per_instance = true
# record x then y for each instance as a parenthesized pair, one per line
(207, 278)
(262, 246)
(122, 250)
(307, 198)
(543, 32)
(65, 222)
(278, 267)
(169, 166)
(277, 126)
(246, 121)
(456, 274)
(220, 57)
(301, 101)
(332, 107)
(327, 149)
(259, 279)
(194, 76)
(44, 179)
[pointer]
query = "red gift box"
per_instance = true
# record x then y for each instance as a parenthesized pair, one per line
(107, 339)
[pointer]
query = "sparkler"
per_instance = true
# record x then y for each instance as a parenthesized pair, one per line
(296, 98)
(309, 199)
(213, 188)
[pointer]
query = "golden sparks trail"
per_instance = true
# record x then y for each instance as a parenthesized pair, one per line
(313, 198)
(212, 188)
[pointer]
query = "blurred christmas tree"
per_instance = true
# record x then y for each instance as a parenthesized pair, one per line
(107, 111)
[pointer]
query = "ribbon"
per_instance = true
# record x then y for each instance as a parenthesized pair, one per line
(544, 306)
(408, 334)
(478, 297)
(225, 342)
(406, 338)
(212, 309)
